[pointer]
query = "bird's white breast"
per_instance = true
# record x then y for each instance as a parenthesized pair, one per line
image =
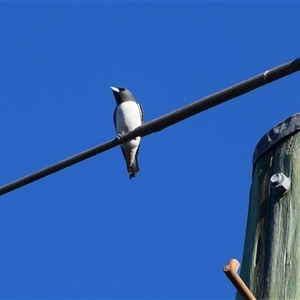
(127, 117)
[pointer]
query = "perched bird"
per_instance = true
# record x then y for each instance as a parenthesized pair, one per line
(128, 115)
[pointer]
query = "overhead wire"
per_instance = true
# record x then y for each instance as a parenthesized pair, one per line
(164, 121)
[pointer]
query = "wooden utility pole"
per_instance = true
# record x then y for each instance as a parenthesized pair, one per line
(271, 260)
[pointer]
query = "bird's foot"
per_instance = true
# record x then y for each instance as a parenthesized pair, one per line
(119, 136)
(131, 176)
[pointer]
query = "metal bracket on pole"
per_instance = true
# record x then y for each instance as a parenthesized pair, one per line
(231, 272)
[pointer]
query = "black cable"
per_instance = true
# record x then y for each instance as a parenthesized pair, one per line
(165, 121)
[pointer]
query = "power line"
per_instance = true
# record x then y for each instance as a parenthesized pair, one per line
(165, 121)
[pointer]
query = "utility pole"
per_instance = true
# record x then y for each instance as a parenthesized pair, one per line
(271, 259)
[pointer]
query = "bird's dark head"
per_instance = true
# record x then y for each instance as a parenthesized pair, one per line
(122, 94)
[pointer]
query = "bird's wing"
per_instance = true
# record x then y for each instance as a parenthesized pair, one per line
(115, 116)
(123, 151)
(141, 112)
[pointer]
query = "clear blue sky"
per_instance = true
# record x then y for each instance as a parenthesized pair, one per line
(90, 232)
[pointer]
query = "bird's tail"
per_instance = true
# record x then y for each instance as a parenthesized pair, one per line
(134, 168)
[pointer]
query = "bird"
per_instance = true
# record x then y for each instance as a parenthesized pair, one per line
(128, 115)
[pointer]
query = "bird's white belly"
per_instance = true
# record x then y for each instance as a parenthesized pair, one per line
(128, 117)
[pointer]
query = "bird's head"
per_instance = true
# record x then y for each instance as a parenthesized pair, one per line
(122, 94)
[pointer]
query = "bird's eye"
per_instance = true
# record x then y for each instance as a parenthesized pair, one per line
(122, 89)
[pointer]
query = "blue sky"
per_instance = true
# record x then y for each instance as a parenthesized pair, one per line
(90, 232)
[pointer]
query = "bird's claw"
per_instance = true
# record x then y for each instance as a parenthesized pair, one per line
(119, 136)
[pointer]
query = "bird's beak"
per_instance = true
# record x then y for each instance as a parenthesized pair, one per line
(115, 89)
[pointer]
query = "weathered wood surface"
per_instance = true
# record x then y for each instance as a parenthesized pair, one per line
(271, 259)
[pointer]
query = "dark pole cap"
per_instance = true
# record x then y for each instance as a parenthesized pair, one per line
(275, 135)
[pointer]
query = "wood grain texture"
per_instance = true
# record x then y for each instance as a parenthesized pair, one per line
(271, 259)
